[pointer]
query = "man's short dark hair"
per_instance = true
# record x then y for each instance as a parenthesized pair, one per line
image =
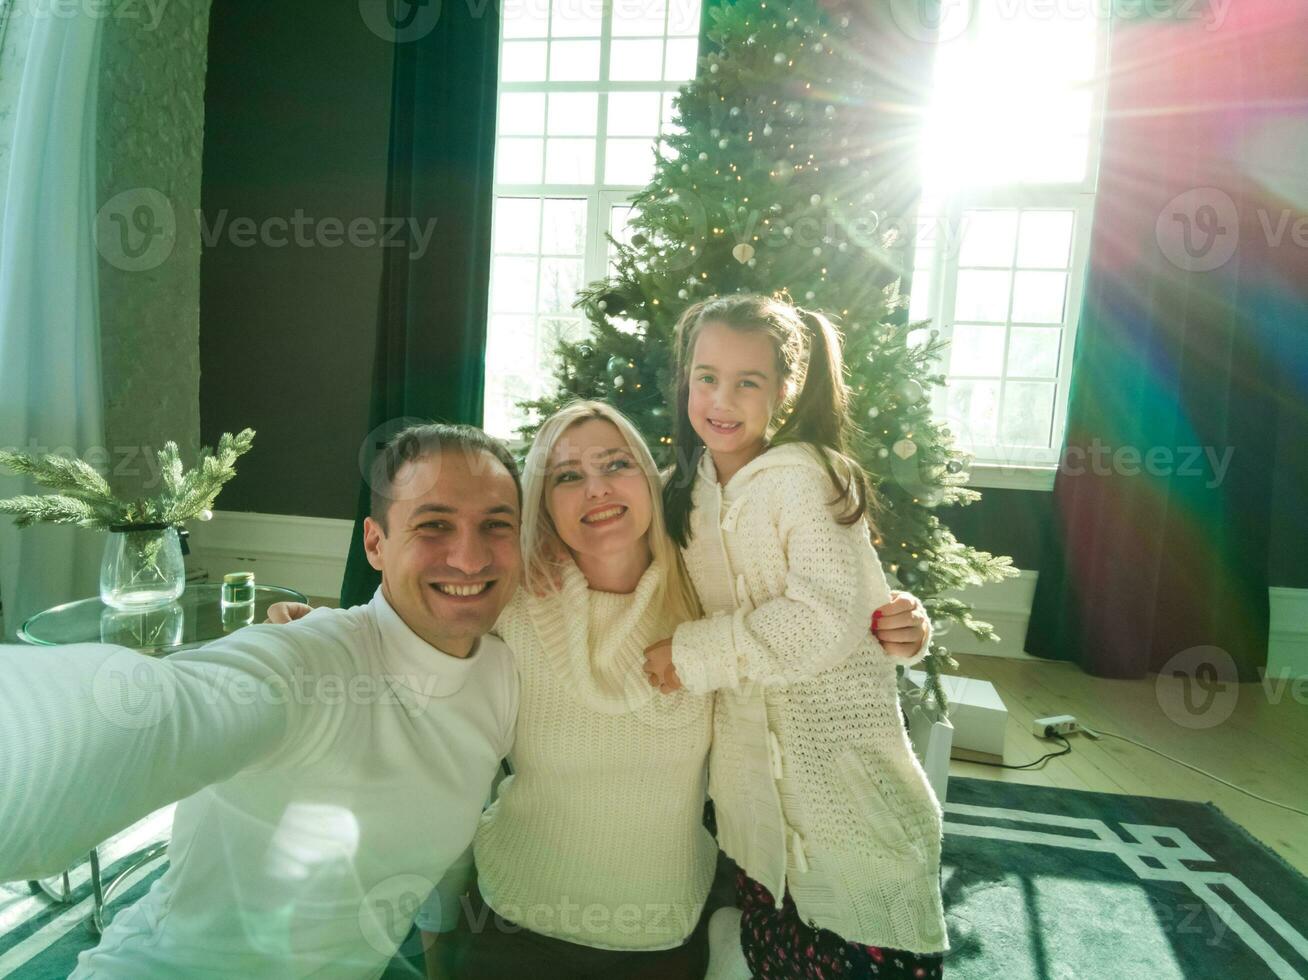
(420, 441)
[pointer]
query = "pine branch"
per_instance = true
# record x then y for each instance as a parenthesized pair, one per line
(51, 508)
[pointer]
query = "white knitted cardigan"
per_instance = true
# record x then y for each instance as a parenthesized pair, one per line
(814, 780)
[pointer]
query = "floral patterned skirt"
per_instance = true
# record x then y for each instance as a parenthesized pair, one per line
(778, 945)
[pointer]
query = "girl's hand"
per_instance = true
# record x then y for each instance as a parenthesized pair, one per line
(900, 625)
(659, 669)
(281, 613)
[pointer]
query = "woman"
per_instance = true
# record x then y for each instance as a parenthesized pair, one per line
(593, 861)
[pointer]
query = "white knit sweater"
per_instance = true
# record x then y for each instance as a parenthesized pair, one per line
(815, 783)
(597, 838)
(332, 770)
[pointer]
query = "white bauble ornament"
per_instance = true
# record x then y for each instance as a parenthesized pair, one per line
(904, 448)
(743, 252)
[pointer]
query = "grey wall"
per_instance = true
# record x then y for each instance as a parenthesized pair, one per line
(298, 109)
(149, 142)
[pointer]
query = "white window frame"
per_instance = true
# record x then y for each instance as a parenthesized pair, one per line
(1025, 468)
(599, 196)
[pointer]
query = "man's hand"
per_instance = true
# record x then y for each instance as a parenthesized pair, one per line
(281, 613)
(900, 625)
(659, 669)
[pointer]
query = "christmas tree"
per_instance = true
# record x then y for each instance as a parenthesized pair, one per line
(790, 170)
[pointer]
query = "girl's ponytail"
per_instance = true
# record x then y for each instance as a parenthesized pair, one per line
(820, 415)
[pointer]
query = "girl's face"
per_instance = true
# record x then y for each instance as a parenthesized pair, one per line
(734, 390)
(595, 491)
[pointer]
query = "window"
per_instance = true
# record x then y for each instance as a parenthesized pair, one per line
(586, 89)
(1010, 163)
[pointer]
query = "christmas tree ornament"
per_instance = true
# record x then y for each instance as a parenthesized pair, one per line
(743, 252)
(904, 448)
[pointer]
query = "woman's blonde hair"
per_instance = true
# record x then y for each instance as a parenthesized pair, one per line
(543, 552)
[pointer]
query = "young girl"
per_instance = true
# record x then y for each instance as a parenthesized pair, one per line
(818, 796)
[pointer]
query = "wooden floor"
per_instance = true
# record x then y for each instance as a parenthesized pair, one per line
(1262, 746)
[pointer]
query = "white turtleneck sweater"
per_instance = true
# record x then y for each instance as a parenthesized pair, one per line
(332, 770)
(597, 838)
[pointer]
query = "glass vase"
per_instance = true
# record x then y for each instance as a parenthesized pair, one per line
(142, 567)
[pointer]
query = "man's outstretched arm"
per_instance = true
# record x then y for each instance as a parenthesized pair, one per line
(94, 737)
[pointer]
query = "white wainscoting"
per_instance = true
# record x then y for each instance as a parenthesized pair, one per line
(303, 553)
(308, 554)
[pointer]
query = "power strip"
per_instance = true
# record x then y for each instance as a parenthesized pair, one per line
(1054, 725)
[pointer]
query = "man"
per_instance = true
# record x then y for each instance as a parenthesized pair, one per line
(329, 771)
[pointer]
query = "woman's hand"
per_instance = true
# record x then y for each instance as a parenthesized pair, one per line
(900, 625)
(280, 613)
(659, 669)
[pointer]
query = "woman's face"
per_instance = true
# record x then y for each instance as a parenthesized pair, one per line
(595, 491)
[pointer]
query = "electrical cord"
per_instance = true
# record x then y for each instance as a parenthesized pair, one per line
(1203, 772)
(1067, 747)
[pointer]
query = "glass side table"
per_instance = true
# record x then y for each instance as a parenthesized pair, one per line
(195, 618)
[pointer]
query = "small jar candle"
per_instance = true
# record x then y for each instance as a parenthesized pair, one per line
(238, 589)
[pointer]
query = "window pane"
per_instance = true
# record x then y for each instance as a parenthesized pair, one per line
(1038, 297)
(549, 334)
(559, 281)
(574, 61)
(517, 224)
(515, 285)
(1028, 414)
(1033, 352)
(569, 161)
(576, 18)
(634, 114)
(975, 349)
(620, 218)
(683, 16)
(522, 61)
(628, 161)
(517, 161)
(982, 296)
(1046, 239)
(988, 238)
(524, 18)
(971, 411)
(573, 113)
(565, 227)
(521, 114)
(634, 17)
(508, 344)
(636, 61)
(919, 305)
(683, 54)
(669, 124)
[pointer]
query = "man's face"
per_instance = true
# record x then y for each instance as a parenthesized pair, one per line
(450, 554)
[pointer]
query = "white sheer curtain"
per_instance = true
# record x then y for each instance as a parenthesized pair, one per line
(50, 394)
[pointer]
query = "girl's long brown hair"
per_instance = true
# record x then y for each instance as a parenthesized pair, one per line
(817, 416)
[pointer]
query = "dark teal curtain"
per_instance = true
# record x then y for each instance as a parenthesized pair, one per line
(1159, 548)
(431, 327)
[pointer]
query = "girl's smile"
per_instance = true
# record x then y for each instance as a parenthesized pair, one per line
(735, 388)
